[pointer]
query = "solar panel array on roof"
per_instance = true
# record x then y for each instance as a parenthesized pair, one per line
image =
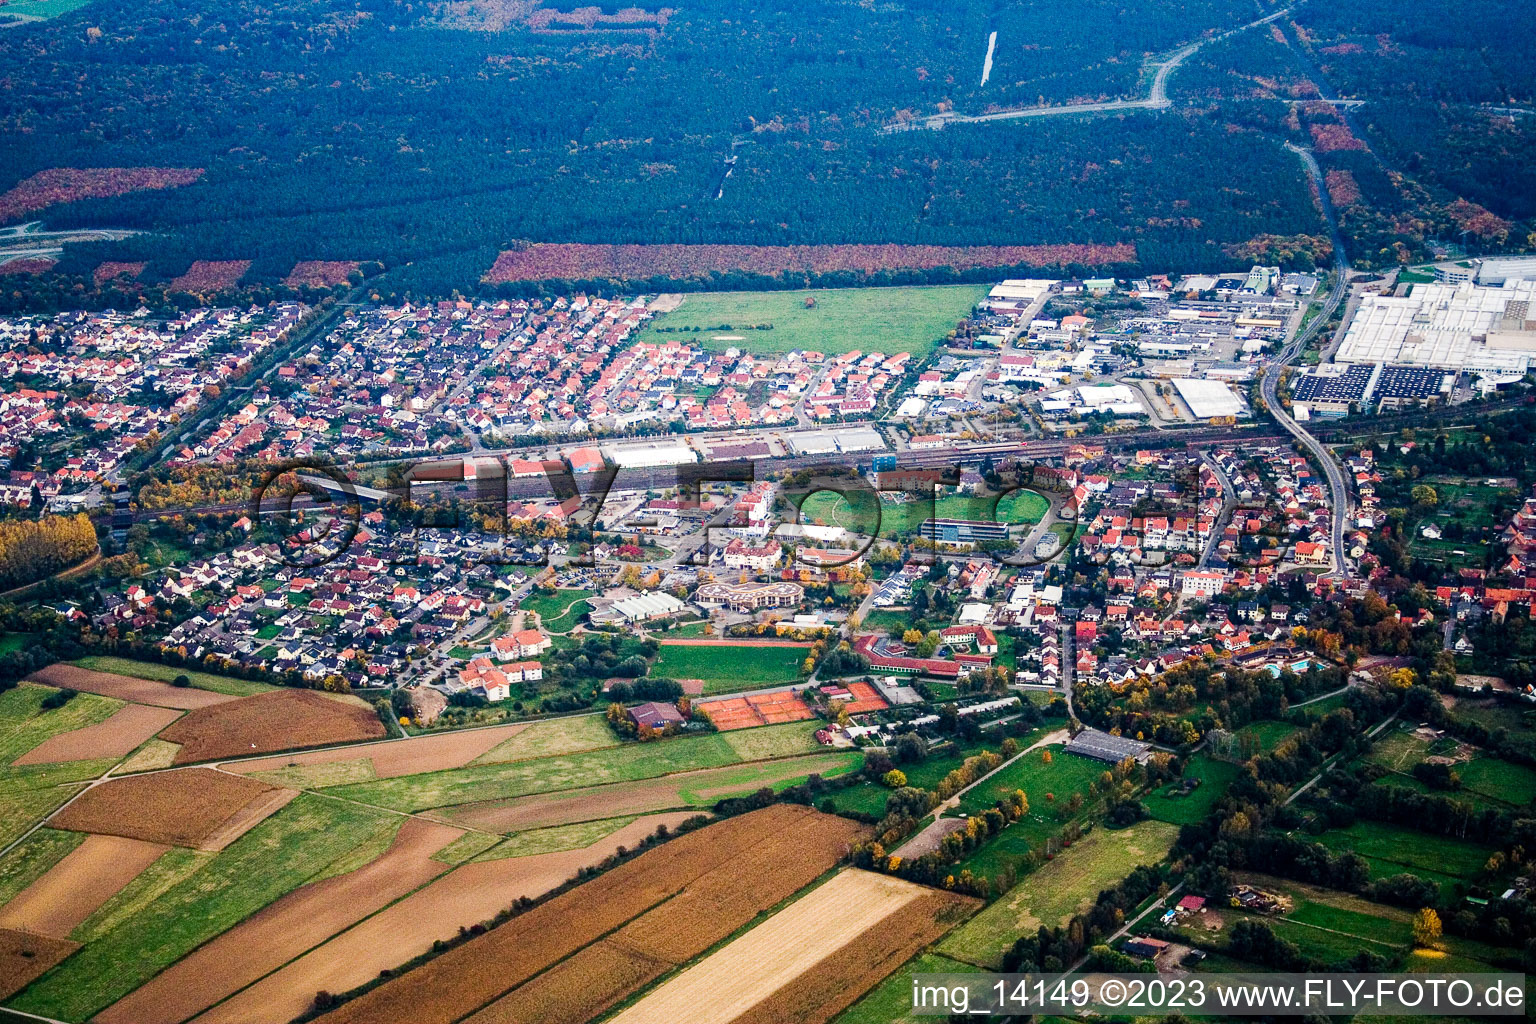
(1349, 386)
(1409, 382)
(1101, 746)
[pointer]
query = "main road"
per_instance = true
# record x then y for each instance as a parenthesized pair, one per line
(1269, 386)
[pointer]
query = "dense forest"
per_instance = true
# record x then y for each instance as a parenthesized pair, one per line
(429, 136)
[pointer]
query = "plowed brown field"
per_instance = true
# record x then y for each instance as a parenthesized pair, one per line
(470, 894)
(267, 722)
(809, 960)
(283, 930)
(139, 691)
(180, 808)
(118, 736)
(24, 956)
(72, 889)
(391, 758)
(483, 969)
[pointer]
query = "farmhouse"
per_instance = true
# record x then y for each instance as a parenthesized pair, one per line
(654, 715)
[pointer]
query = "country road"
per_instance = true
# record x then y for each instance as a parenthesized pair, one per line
(1156, 98)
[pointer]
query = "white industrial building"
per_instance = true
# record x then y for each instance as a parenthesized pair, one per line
(650, 455)
(1208, 399)
(1461, 326)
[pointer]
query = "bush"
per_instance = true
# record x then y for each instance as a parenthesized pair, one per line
(59, 698)
(181, 681)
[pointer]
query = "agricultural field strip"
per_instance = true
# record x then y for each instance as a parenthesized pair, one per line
(754, 966)
(608, 765)
(708, 911)
(468, 977)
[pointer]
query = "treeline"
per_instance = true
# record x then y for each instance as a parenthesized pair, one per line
(34, 549)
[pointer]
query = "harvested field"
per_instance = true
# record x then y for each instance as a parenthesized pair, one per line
(319, 273)
(138, 691)
(867, 924)
(72, 890)
(757, 709)
(182, 808)
(478, 972)
(283, 930)
(280, 720)
(118, 736)
(572, 261)
(697, 789)
(24, 956)
(28, 265)
(576, 990)
(389, 758)
(470, 894)
(68, 184)
(211, 276)
(112, 270)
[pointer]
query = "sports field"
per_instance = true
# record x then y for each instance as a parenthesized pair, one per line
(1063, 887)
(728, 669)
(855, 512)
(888, 320)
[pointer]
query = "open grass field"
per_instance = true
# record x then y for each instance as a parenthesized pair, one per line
(856, 511)
(1266, 735)
(552, 737)
(888, 320)
(574, 771)
(273, 858)
(558, 610)
(1393, 850)
(662, 904)
(25, 724)
(185, 808)
(267, 722)
(890, 1002)
(809, 960)
(1063, 887)
(1215, 776)
(166, 673)
(697, 789)
(728, 669)
(174, 865)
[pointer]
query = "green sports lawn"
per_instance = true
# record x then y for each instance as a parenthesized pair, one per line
(1063, 887)
(167, 673)
(855, 511)
(627, 763)
(728, 669)
(887, 320)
